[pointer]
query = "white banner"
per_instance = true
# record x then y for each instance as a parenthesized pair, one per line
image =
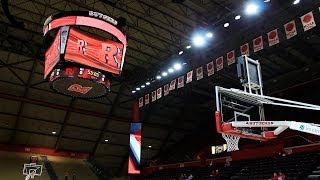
(273, 37)
(146, 99)
(244, 49)
(180, 82)
(210, 68)
(308, 21)
(290, 29)
(219, 63)
(189, 77)
(257, 44)
(231, 57)
(199, 73)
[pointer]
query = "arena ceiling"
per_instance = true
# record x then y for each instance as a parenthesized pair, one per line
(157, 31)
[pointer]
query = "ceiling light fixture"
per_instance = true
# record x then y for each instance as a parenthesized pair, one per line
(143, 86)
(177, 66)
(198, 41)
(106, 140)
(296, 2)
(138, 89)
(164, 74)
(149, 146)
(158, 77)
(147, 83)
(226, 25)
(53, 132)
(237, 17)
(188, 47)
(170, 70)
(252, 9)
(181, 52)
(133, 92)
(209, 35)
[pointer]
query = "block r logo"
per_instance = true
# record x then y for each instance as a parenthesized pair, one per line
(80, 89)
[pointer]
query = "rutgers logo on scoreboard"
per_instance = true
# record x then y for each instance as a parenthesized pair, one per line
(78, 88)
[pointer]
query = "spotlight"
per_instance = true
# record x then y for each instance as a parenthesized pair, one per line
(164, 74)
(170, 70)
(143, 86)
(226, 25)
(181, 52)
(296, 2)
(106, 140)
(158, 77)
(147, 83)
(237, 17)
(198, 41)
(53, 132)
(252, 9)
(177, 66)
(188, 47)
(133, 92)
(149, 146)
(209, 34)
(138, 89)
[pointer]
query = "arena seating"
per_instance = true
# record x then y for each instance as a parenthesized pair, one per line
(295, 166)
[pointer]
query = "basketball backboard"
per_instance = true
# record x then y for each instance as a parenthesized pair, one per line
(31, 170)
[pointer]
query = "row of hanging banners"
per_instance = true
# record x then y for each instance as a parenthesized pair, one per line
(290, 28)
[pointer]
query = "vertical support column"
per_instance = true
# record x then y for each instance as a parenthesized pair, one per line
(135, 143)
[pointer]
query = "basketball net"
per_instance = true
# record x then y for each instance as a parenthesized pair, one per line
(30, 175)
(232, 142)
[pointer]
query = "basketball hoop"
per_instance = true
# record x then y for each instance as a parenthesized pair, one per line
(31, 170)
(232, 142)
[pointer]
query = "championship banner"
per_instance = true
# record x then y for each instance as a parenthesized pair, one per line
(257, 44)
(134, 149)
(308, 21)
(199, 73)
(244, 49)
(219, 63)
(172, 85)
(189, 77)
(210, 68)
(180, 82)
(290, 29)
(231, 57)
(159, 92)
(140, 102)
(273, 37)
(146, 99)
(166, 90)
(153, 96)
